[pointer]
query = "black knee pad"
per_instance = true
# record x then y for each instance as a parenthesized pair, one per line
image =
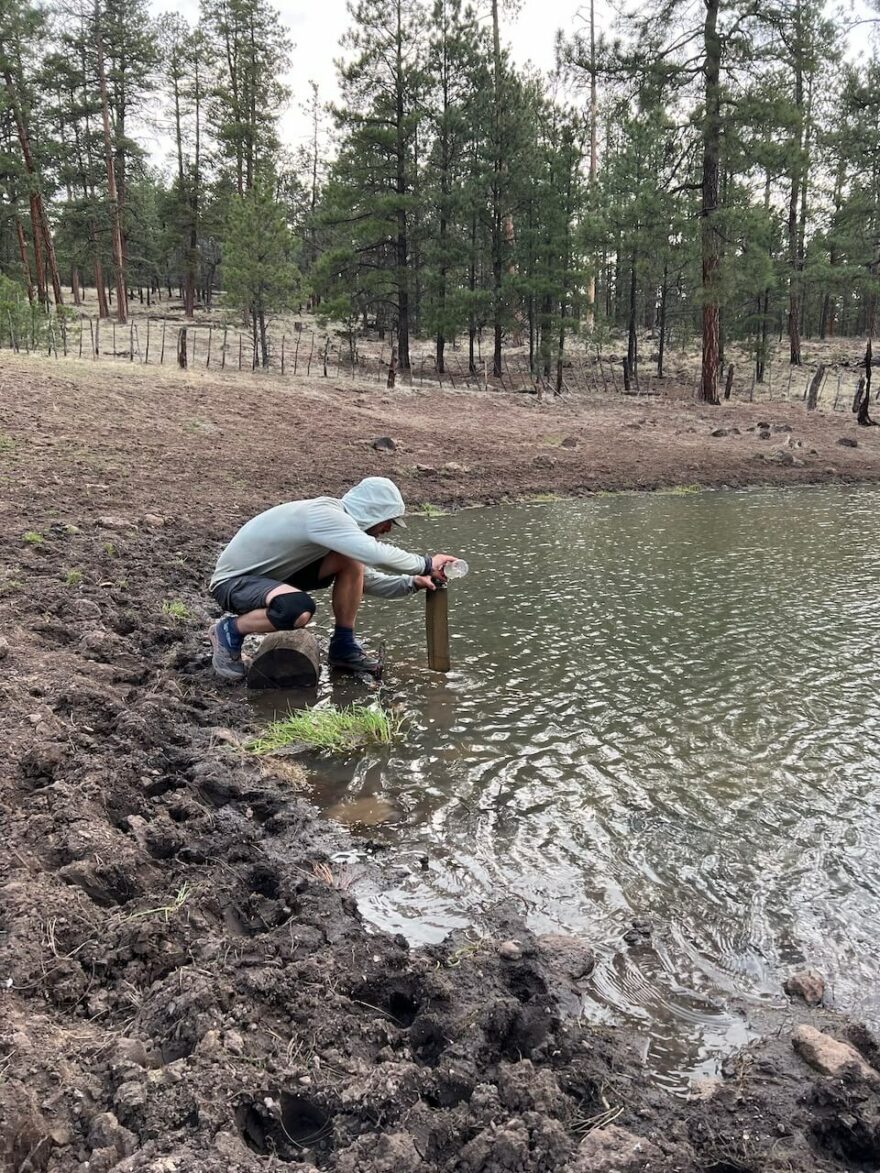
(284, 610)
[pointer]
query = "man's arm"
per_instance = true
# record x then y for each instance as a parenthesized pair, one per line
(330, 527)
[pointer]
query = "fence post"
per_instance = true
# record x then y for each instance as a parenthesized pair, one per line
(131, 342)
(162, 352)
(97, 336)
(223, 353)
(182, 348)
(147, 348)
(296, 353)
(210, 333)
(282, 354)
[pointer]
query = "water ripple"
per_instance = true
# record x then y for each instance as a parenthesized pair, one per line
(661, 707)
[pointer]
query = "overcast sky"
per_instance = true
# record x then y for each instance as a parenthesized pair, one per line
(316, 26)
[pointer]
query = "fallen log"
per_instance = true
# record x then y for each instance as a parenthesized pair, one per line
(286, 659)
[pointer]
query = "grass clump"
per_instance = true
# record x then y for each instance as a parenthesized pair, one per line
(33, 537)
(73, 577)
(680, 490)
(332, 729)
(109, 549)
(542, 498)
(426, 509)
(174, 609)
(7, 444)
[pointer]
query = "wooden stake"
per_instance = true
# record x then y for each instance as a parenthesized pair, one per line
(437, 629)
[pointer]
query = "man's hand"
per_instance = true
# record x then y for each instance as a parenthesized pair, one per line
(438, 561)
(422, 582)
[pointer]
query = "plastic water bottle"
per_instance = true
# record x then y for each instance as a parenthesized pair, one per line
(456, 569)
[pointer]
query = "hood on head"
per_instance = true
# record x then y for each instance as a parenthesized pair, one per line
(373, 500)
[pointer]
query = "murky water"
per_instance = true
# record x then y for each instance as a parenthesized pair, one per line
(661, 707)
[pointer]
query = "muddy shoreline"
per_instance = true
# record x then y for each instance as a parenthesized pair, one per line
(186, 982)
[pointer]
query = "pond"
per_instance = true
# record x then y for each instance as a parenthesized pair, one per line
(662, 708)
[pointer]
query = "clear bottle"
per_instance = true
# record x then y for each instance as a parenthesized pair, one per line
(456, 569)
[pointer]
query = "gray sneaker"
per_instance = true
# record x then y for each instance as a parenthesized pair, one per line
(226, 659)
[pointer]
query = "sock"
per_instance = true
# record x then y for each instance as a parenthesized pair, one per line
(230, 634)
(343, 638)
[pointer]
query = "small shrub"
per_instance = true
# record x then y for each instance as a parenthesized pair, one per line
(174, 609)
(109, 549)
(33, 538)
(73, 577)
(332, 729)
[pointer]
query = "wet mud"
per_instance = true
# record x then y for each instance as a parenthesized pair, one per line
(185, 981)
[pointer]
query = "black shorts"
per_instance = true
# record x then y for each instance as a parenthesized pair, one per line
(247, 592)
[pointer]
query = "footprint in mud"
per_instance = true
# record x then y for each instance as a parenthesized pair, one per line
(288, 1127)
(364, 812)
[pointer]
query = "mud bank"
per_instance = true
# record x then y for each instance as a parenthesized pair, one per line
(185, 981)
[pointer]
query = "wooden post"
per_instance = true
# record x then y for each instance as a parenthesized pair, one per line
(296, 353)
(626, 374)
(223, 351)
(728, 386)
(97, 337)
(282, 354)
(162, 351)
(813, 388)
(80, 338)
(437, 628)
(147, 346)
(181, 348)
(131, 341)
(208, 358)
(392, 368)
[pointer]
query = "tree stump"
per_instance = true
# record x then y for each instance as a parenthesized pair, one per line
(286, 659)
(813, 388)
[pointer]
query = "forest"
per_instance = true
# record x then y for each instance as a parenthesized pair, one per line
(703, 170)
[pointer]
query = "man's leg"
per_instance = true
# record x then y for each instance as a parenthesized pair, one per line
(286, 608)
(348, 591)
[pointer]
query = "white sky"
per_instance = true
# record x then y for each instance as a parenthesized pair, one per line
(315, 27)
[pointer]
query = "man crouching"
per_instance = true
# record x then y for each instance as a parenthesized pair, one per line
(265, 573)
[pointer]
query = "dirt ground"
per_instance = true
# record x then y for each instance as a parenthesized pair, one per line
(185, 981)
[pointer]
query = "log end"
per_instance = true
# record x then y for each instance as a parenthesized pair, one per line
(286, 659)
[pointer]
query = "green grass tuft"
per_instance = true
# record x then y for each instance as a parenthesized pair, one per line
(680, 490)
(542, 498)
(7, 444)
(109, 549)
(426, 509)
(175, 609)
(332, 729)
(33, 538)
(73, 577)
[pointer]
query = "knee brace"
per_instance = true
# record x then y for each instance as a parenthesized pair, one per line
(284, 610)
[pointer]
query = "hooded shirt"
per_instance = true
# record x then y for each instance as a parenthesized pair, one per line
(287, 538)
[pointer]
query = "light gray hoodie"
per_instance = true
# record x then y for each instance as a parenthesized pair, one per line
(289, 537)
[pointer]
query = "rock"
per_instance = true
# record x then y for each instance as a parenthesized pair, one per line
(108, 521)
(130, 1051)
(153, 520)
(763, 433)
(614, 1150)
(384, 444)
(451, 468)
(569, 442)
(805, 984)
(570, 956)
(780, 456)
(829, 1056)
(4, 647)
(848, 442)
(105, 1132)
(639, 930)
(720, 432)
(544, 460)
(782, 428)
(705, 1088)
(762, 425)
(87, 609)
(510, 950)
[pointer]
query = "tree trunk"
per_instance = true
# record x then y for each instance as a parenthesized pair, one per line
(112, 194)
(23, 257)
(710, 240)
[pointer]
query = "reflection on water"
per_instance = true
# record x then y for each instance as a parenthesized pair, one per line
(662, 707)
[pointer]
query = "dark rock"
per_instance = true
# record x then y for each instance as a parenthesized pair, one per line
(384, 444)
(782, 428)
(848, 442)
(720, 432)
(4, 647)
(569, 442)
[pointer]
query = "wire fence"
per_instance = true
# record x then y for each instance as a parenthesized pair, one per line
(155, 341)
